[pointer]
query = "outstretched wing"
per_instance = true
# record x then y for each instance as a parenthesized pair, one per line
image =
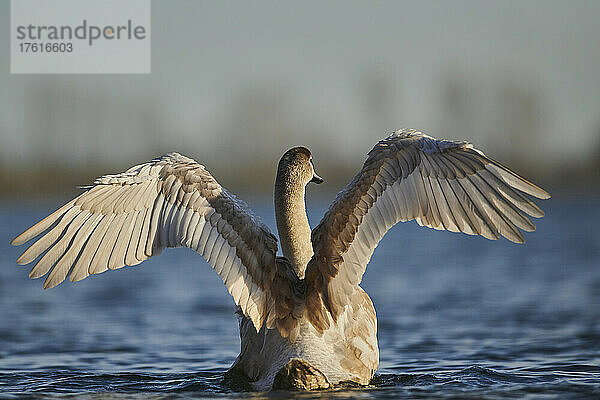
(441, 184)
(171, 201)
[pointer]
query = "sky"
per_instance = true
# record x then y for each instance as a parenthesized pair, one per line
(242, 81)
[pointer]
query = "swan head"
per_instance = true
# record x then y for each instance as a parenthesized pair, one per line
(296, 168)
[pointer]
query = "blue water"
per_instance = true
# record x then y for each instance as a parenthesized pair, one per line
(459, 317)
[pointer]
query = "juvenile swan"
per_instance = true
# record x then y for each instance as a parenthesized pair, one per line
(305, 321)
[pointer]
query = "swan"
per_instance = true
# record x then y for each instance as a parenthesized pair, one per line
(304, 320)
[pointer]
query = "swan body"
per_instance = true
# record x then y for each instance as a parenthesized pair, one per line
(346, 351)
(305, 322)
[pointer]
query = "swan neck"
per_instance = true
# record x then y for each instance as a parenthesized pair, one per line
(292, 224)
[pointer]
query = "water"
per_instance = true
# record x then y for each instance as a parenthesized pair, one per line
(459, 317)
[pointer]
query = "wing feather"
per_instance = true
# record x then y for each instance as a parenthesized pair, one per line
(504, 207)
(55, 247)
(134, 238)
(194, 220)
(141, 236)
(514, 180)
(171, 201)
(223, 269)
(440, 184)
(68, 259)
(57, 251)
(154, 232)
(48, 239)
(91, 197)
(96, 252)
(195, 243)
(203, 239)
(82, 267)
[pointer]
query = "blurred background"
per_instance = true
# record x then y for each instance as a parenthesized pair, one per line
(233, 85)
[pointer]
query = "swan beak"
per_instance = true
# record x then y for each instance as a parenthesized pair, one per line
(316, 179)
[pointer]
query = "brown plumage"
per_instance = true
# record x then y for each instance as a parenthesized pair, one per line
(303, 306)
(169, 202)
(440, 184)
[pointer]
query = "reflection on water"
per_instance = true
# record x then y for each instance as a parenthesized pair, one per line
(458, 316)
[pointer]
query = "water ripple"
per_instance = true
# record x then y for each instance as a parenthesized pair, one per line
(459, 318)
